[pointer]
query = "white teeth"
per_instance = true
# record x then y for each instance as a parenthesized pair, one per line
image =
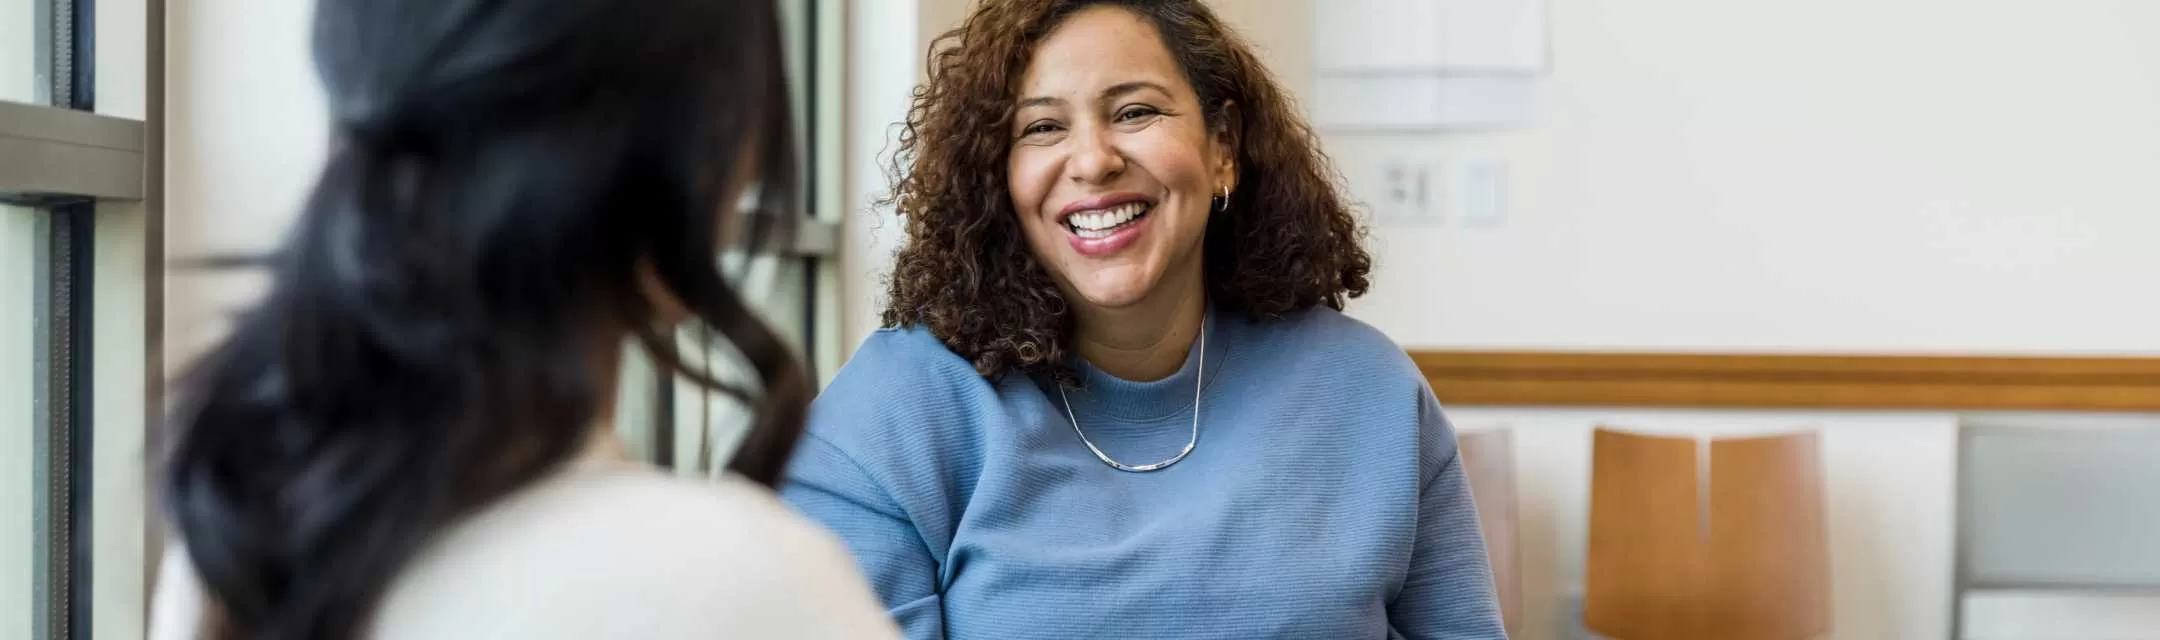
(1098, 223)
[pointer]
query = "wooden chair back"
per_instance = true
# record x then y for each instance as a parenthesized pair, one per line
(1724, 540)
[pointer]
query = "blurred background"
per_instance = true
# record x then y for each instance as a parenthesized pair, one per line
(1832, 318)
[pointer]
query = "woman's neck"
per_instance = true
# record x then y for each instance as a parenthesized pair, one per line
(1144, 342)
(601, 443)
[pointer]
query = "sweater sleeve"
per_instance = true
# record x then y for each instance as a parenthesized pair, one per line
(1448, 593)
(827, 485)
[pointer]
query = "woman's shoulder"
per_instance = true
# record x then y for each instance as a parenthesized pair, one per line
(899, 377)
(620, 551)
(1362, 370)
(905, 362)
(593, 553)
(910, 353)
(634, 501)
(724, 521)
(1335, 337)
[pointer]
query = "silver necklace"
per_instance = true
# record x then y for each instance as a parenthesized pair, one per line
(1198, 384)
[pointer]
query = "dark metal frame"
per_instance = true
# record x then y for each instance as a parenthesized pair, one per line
(68, 317)
(812, 133)
(61, 159)
(57, 514)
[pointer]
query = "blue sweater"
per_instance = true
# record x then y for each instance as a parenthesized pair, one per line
(1324, 499)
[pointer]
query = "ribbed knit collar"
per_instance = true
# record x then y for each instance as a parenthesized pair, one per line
(1104, 396)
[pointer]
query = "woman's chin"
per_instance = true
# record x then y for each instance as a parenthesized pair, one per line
(1113, 295)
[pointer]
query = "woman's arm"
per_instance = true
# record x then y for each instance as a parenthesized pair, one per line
(827, 485)
(1448, 594)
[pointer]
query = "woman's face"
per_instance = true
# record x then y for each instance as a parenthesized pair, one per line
(1113, 167)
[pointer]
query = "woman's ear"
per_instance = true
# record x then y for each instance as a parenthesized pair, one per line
(1225, 139)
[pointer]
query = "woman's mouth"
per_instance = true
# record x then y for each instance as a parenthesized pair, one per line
(1103, 223)
(1107, 229)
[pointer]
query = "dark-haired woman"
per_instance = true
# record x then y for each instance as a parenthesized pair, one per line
(1115, 397)
(407, 437)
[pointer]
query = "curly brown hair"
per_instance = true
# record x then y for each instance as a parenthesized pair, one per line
(1287, 241)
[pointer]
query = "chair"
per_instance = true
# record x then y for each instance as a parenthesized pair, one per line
(1724, 539)
(2057, 509)
(1488, 457)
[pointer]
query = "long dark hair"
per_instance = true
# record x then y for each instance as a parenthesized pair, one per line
(510, 184)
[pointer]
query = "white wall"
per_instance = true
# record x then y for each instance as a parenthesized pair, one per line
(119, 423)
(1844, 175)
(120, 382)
(884, 59)
(246, 134)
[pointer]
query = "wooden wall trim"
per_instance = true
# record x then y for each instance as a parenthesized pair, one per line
(1792, 381)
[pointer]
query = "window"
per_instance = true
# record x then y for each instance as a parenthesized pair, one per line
(74, 329)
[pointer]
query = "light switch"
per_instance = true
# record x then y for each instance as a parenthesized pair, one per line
(1407, 193)
(1480, 189)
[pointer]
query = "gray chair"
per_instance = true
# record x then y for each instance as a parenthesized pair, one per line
(2043, 507)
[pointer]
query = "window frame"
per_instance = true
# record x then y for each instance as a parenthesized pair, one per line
(90, 183)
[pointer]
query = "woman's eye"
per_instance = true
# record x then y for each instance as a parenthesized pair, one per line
(1136, 113)
(1039, 128)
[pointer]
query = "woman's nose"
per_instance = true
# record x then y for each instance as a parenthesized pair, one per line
(1095, 160)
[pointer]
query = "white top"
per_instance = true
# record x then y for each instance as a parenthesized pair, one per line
(609, 549)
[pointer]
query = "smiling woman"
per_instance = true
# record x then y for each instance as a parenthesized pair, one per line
(1022, 104)
(1115, 396)
(1091, 162)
